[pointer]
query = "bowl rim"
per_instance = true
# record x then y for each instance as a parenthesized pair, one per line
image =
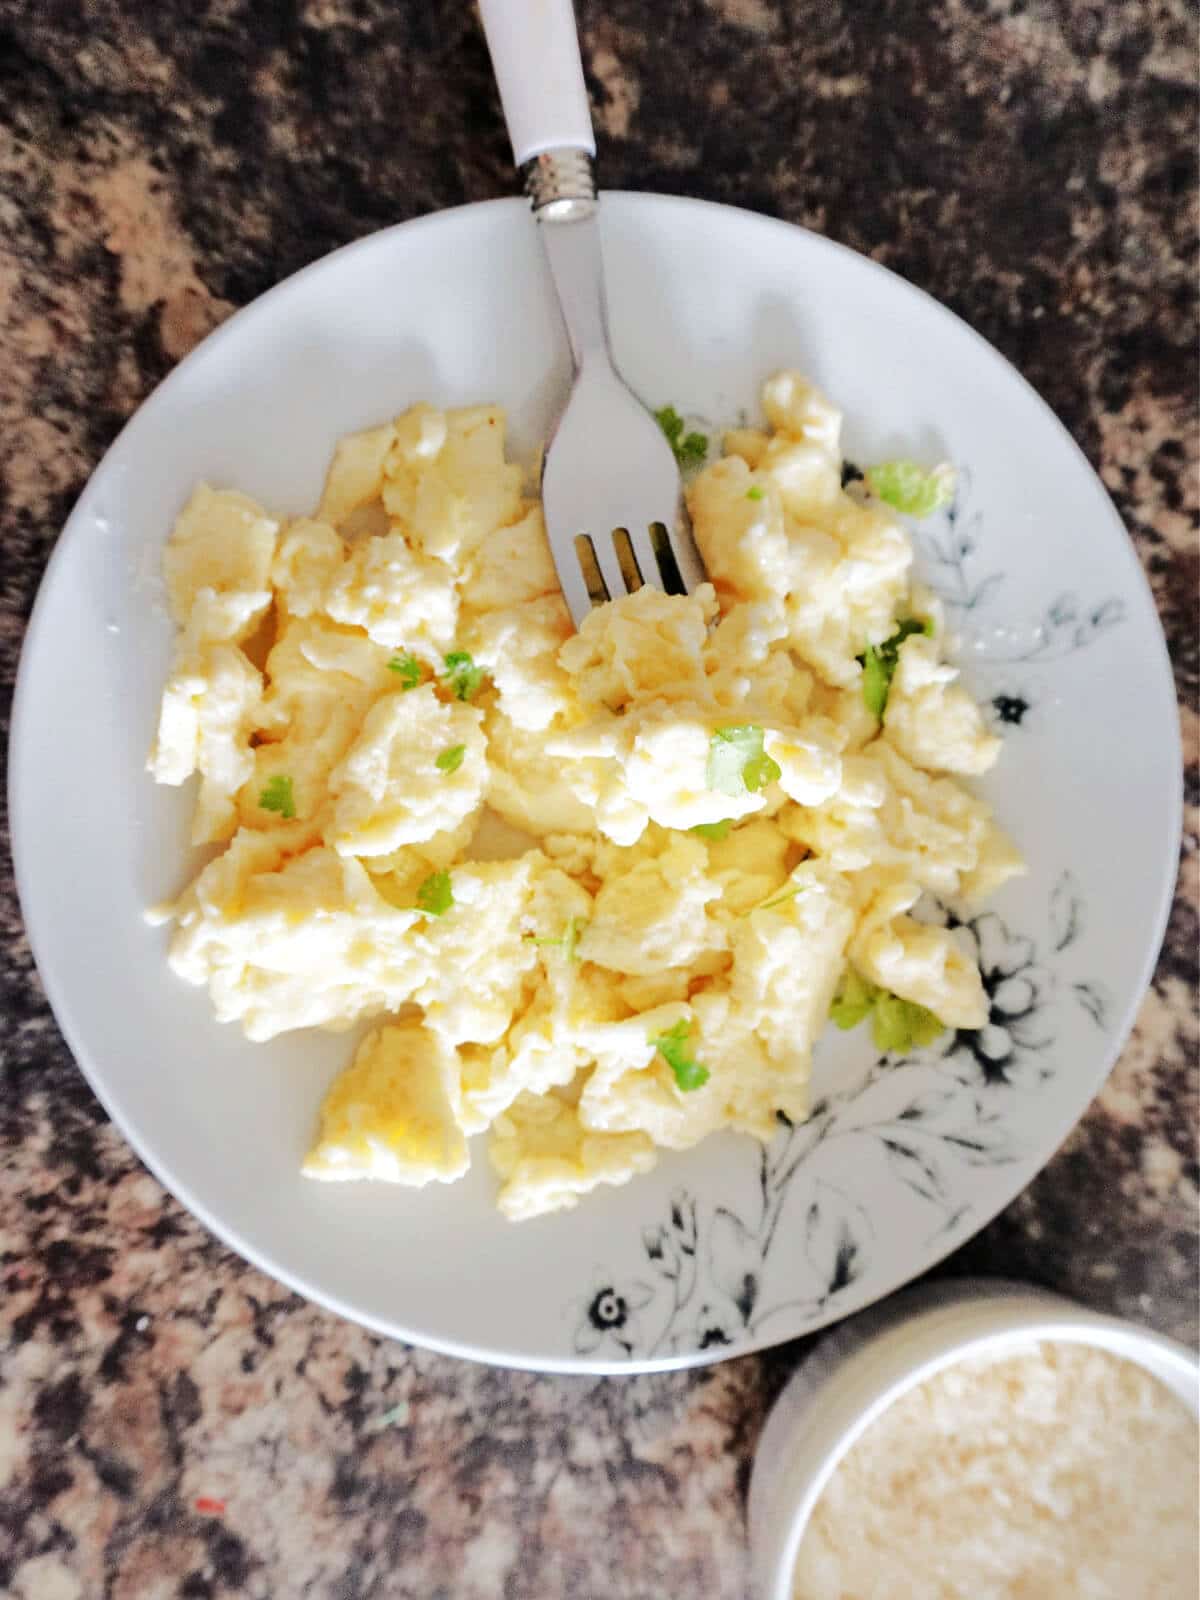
(951, 1320)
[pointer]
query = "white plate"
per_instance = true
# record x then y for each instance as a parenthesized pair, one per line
(721, 1250)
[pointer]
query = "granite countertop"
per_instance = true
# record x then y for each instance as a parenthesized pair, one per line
(172, 1423)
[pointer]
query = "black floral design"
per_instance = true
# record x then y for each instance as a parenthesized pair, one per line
(1010, 701)
(1092, 998)
(948, 545)
(610, 1317)
(1066, 626)
(1009, 710)
(925, 1116)
(716, 1299)
(713, 1328)
(1011, 1046)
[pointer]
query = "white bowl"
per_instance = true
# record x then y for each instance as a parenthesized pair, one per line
(857, 1372)
(728, 1247)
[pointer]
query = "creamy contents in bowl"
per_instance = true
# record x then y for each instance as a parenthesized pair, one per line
(738, 813)
(1057, 1473)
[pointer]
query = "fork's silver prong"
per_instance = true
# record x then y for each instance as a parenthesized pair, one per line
(643, 551)
(687, 556)
(610, 567)
(571, 580)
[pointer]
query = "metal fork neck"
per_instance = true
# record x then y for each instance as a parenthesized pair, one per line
(562, 189)
(561, 185)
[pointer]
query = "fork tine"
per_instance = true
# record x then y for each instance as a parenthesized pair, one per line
(687, 557)
(570, 577)
(643, 550)
(610, 567)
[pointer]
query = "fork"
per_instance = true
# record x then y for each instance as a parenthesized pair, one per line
(611, 488)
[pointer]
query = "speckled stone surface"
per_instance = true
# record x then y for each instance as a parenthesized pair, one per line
(171, 1422)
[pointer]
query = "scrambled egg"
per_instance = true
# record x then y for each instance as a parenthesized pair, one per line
(711, 819)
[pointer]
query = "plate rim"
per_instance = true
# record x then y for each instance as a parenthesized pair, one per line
(34, 919)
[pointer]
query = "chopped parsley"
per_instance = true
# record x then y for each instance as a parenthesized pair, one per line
(407, 669)
(877, 680)
(713, 830)
(737, 762)
(451, 758)
(755, 493)
(278, 796)
(879, 663)
(575, 926)
(896, 1025)
(434, 894)
(675, 1047)
(854, 1000)
(689, 447)
(900, 1025)
(567, 941)
(463, 676)
(910, 488)
(788, 892)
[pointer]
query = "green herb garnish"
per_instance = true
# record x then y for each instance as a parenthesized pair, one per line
(900, 1025)
(687, 447)
(755, 493)
(463, 676)
(434, 894)
(879, 663)
(854, 1001)
(737, 762)
(451, 759)
(910, 488)
(407, 669)
(713, 830)
(675, 1047)
(567, 941)
(278, 796)
(897, 1025)
(877, 678)
(789, 892)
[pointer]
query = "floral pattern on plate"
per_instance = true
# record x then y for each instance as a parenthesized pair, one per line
(957, 1104)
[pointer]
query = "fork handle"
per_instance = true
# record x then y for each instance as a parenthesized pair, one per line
(534, 46)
